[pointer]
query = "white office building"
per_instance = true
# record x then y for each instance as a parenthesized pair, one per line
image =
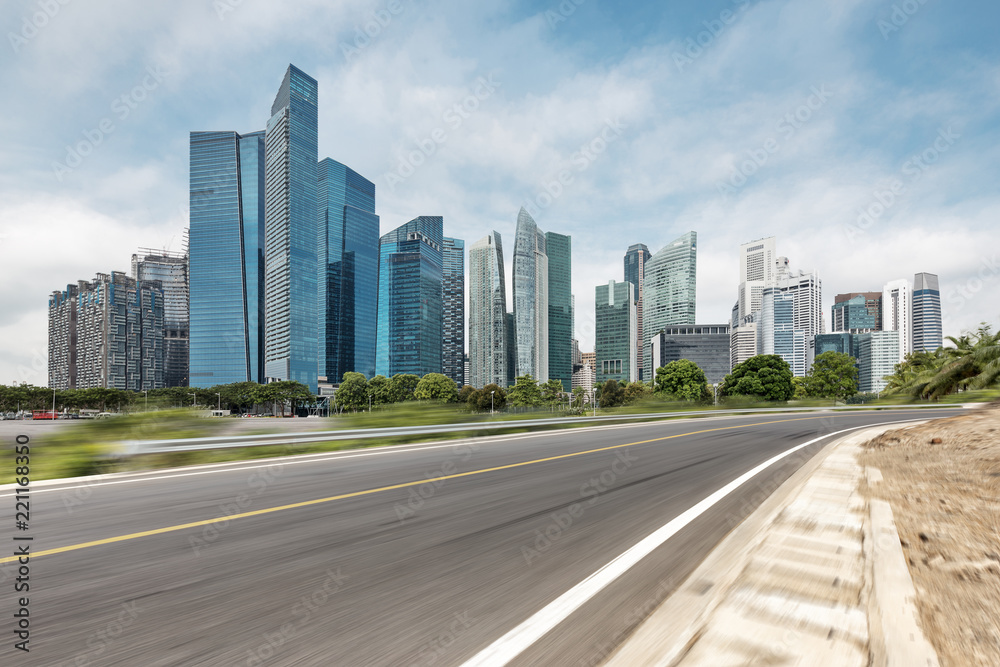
(897, 314)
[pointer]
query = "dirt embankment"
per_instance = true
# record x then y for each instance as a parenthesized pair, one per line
(943, 482)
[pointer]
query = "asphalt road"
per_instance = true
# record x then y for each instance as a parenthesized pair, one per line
(371, 565)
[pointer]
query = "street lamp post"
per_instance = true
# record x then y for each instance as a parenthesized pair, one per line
(194, 399)
(491, 400)
(145, 395)
(220, 400)
(53, 402)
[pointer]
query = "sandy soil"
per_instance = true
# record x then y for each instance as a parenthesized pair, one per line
(943, 482)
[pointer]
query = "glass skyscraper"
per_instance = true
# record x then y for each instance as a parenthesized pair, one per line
(614, 330)
(669, 289)
(171, 269)
(927, 329)
(348, 272)
(410, 295)
(453, 309)
(226, 270)
(558, 247)
(487, 313)
(635, 271)
(531, 298)
(291, 220)
(857, 312)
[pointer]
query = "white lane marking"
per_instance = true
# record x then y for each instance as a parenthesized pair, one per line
(303, 458)
(515, 642)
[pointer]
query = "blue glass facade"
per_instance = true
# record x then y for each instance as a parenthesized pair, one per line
(927, 328)
(291, 234)
(559, 248)
(410, 298)
(226, 257)
(348, 256)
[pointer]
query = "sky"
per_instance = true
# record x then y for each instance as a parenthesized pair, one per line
(862, 134)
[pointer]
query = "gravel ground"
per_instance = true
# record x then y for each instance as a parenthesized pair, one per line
(943, 482)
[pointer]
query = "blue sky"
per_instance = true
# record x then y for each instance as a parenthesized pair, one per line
(736, 119)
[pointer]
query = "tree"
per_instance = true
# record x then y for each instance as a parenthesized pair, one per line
(525, 392)
(635, 391)
(579, 397)
(610, 394)
(465, 392)
(682, 379)
(490, 396)
(436, 387)
(552, 391)
(832, 375)
(402, 386)
(766, 376)
(353, 392)
(378, 390)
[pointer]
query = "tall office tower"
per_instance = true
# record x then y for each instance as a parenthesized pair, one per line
(577, 358)
(453, 310)
(807, 290)
(63, 338)
(291, 332)
(635, 271)
(558, 247)
(615, 327)
(776, 330)
(705, 344)
(117, 340)
(487, 313)
(927, 330)
(857, 312)
(743, 342)
(669, 289)
(410, 295)
(758, 269)
(226, 258)
(510, 332)
(531, 299)
(171, 269)
(897, 313)
(347, 284)
(878, 354)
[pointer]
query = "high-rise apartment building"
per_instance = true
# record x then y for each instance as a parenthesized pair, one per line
(927, 329)
(669, 289)
(614, 330)
(635, 261)
(107, 333)
(171, 269)
(531, 299)
(347, 284)
(558, 247)
(410, 298)
(226, 258)
(291, 334)
(453, 309)
(857, 312)
(488, 345)
(897, 314)
(510, 332)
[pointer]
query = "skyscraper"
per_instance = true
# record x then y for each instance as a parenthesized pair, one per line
(291, 217)
(531, 299)
(927, 330)
(636, 258)
(896, 314)
(410, 294)
(857, 312)
(878, 354)
(171, 269)
(758, 269)
(487, 313)
(669, 289)
(614, 330)
(226, 258)
(790, 316)
(558, 247)
(348, 272)
(453, 309)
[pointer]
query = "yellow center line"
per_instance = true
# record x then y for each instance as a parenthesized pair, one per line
(355, 494)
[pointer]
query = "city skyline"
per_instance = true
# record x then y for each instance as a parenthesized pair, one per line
(899, 192)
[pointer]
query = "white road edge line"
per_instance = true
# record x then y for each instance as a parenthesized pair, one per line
(515, 642)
